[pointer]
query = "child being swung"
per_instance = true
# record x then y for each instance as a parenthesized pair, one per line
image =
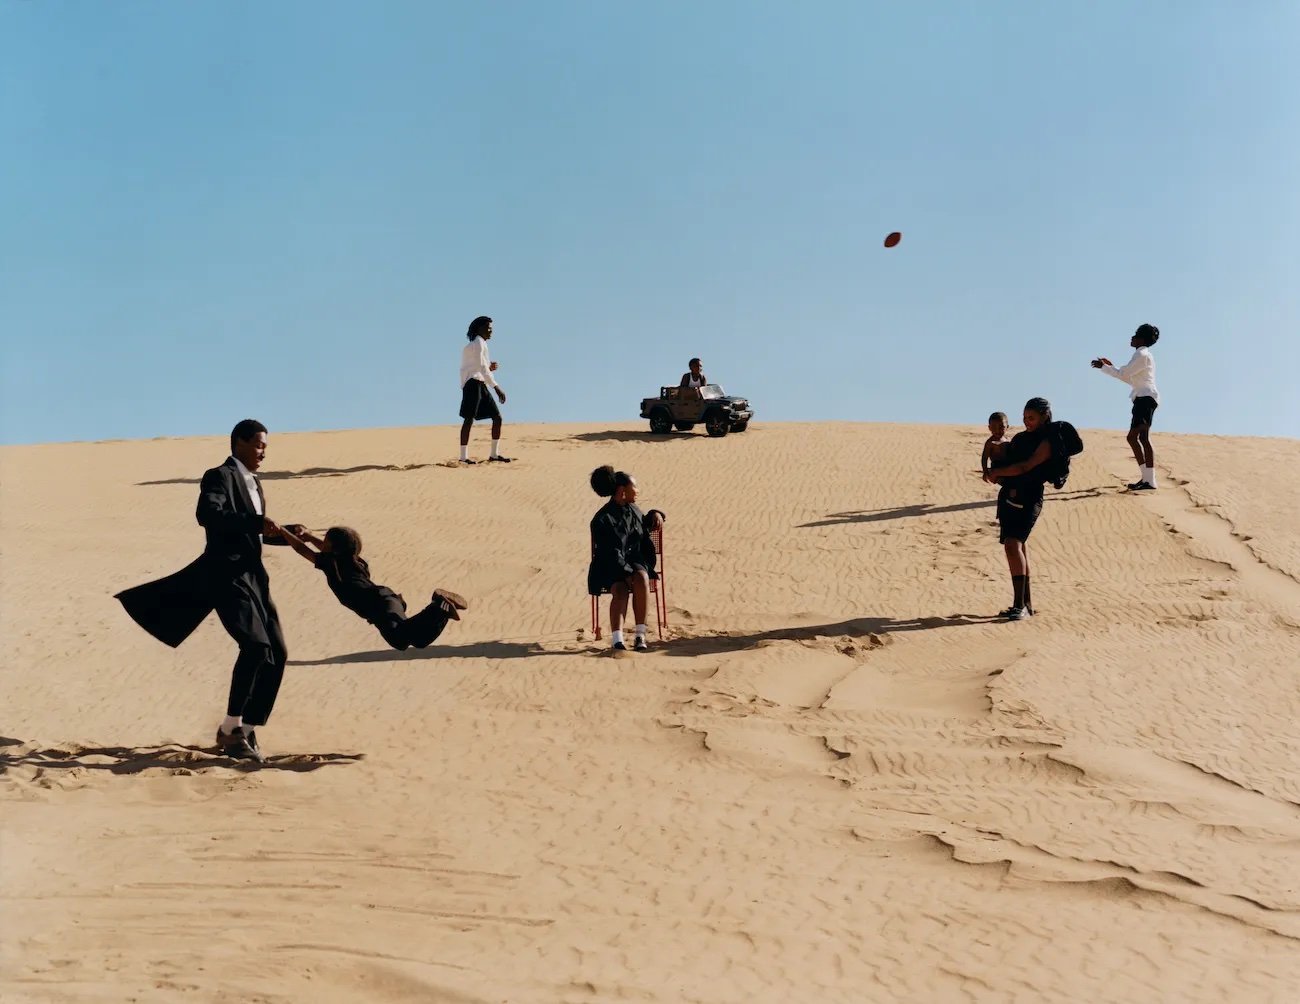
(338, 555)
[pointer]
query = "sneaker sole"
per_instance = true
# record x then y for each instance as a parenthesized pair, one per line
(457, 601)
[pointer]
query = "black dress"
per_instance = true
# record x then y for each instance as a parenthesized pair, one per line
(621, 546)
(349, 580)
(1020, 499)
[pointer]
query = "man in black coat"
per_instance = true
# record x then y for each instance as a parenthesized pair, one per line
(228, 577)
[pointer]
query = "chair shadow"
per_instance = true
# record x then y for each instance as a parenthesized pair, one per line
(309, 472)
(480, 650)
(858, 627)
(170, 757)
(926, 509)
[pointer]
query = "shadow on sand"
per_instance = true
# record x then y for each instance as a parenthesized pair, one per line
(479, 650)
(678, 644)
(310, 472)
(637, 436)
(172, 758)
(859, 627)
(925, 509)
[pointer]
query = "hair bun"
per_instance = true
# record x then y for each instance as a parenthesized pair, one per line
(602, 481)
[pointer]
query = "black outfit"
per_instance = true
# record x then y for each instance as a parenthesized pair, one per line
(228, 577)
(477, 402)
(1020, 499)
(349, 580)
(621, 546)
(1144, 410)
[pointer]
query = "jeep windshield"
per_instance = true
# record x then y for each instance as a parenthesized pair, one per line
(712, 391)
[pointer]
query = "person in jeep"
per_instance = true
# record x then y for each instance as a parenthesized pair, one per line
(694, 378)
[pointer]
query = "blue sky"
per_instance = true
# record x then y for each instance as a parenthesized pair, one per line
(291, 210)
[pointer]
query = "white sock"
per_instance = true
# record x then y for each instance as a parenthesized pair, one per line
(496, 448)
(616, 637)
(231, 723)
(640, 630)
(464, 452)
(1149, 476)
(1142, 473)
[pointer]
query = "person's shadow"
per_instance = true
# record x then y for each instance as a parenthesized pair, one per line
(138, 759)
(926, 509)
(725, 642)
(309, 472)
(479, 650)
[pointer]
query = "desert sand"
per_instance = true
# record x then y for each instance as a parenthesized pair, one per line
(835, 779)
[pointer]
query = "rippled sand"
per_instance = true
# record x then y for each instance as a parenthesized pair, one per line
(835, 780)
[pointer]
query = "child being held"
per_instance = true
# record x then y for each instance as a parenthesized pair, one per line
(995, 446)
(348, 576)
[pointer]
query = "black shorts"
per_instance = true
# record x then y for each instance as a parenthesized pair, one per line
(1144, 411)
(477, 402)
(1017, 516)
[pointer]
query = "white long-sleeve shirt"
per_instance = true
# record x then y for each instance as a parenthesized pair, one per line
(250, 482)
(1139, 373)
(474, 363)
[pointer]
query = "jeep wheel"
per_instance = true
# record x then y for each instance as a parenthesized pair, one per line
(683, 426)
(716, 423)
(740, 426)
(660, 422)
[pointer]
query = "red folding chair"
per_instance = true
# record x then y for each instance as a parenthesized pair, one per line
(658, 589)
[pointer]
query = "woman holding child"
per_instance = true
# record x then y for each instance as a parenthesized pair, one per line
(1020, 476)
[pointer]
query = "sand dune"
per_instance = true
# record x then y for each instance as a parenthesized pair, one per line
(837, 780)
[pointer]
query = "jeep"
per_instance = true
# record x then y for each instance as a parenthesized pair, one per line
(682, 408)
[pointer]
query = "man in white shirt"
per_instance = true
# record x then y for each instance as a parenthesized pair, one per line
(476, 400)
(1140, 374)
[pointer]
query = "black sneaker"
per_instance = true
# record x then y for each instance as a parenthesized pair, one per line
(451, 603)
(235, 745)
(640, 644)
(467, 461)
(1015, 613)
(1142, 486)
(619, 647)
(500, 460)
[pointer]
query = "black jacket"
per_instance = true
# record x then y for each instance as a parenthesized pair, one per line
(620, 542)
(228, 573)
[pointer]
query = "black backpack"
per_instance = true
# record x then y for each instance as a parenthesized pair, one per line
(1066, 442)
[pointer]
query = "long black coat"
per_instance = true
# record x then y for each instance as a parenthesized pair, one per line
(620, 543)
(229, 573)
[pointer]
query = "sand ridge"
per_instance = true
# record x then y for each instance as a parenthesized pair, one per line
(840, 778)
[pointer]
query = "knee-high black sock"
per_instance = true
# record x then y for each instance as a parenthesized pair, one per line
(1019, 583)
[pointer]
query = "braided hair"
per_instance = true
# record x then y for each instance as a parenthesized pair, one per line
(1040, 405)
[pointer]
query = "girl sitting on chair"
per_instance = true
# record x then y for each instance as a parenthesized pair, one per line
(348, 576)
(623, 553)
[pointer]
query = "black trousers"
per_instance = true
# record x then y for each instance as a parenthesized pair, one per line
(404, 632)
(249, 617)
